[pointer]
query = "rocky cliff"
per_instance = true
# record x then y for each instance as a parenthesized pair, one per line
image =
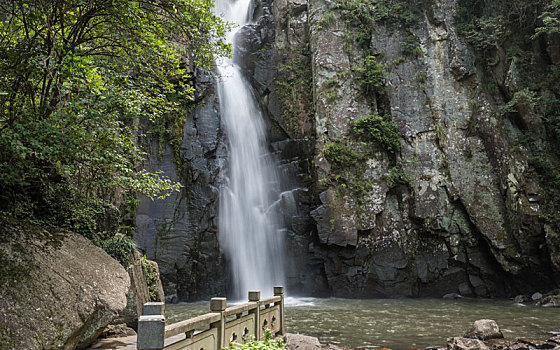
(419, 139)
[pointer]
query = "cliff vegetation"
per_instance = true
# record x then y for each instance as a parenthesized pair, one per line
(79, 81)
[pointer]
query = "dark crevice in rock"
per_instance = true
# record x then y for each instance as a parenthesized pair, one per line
(496, 273)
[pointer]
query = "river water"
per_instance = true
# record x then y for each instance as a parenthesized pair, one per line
(399, 323)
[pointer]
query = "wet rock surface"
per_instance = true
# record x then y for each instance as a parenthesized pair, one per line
(484, 330)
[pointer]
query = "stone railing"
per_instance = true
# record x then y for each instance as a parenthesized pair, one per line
(215, 330)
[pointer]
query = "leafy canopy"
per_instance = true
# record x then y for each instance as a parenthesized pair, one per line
(78, 79)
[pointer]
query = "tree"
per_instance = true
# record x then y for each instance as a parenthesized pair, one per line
(77, 77)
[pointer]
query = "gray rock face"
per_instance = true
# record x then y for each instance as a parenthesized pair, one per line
(450, 227)
(138, 294)
(63, 291)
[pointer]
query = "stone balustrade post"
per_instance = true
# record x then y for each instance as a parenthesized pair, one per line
(151, 327)
(279, 291)
(219, 305)
(255, 296)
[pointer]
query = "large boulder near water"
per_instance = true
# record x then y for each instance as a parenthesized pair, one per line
(484, 329)
(550, 301)
(57, 289)
(301, 342)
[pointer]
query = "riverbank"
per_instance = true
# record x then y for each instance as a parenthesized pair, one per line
(399, 324)
(483, 335)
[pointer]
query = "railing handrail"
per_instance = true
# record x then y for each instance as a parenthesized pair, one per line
(270, 300)
(233, 310)
(215, 330)
(192, 324)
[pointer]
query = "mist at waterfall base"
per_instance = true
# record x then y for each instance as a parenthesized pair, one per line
(398, 324)
(249, 230)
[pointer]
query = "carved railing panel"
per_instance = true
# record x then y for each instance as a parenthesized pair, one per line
(270, 319)
(206, 340)
(240, 330)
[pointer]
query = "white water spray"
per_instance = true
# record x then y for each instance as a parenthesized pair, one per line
(248, 230)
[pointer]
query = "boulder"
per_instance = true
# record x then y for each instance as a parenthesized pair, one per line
(117, 331)
(484, 329)
(503, 344)
(550, 301)
(57, 289)
(301, 342)
(521, 298)
(555, 339)
(458, 343)
(536, 296)
(137, 294)
(452, 296)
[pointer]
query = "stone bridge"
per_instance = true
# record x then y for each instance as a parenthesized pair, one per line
(215, 330)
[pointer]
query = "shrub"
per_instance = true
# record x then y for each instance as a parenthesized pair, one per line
(379, 129)
(371, 77)
(396, 176)
(151, 279)
(120, 248)
(340, 154)
(267, 344)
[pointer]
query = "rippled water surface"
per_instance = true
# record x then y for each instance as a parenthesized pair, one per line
(399, 324)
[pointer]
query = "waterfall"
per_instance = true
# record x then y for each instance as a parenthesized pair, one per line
(249, 232)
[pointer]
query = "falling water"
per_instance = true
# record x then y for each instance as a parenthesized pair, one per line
(248, 231)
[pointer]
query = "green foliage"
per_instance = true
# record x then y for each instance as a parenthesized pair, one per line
(410, 47)
(268, 343)
(362, 13)
(294, 95)
(488, 24)
(472, 121)
(550, 20)
(330, 88)
(549, 176)
(360, 189)
(327, 20)
(77, 79)
(422, 78)
(525, 98)
(370, 77)
(340, 154)
(120, 248)
(383, 130)
(484, 33)
(396, 176)
(151, 279)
